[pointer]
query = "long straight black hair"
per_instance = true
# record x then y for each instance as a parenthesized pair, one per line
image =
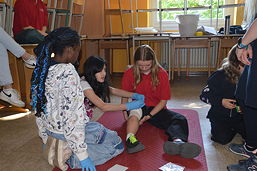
(93, 65)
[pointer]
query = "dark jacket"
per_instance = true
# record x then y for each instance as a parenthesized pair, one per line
(217, 88)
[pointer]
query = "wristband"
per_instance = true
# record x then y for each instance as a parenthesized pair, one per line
(240, 45)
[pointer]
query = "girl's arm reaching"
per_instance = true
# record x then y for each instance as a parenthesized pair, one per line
(90, 94)
(155, 110)
(98, 102)
(120, 92)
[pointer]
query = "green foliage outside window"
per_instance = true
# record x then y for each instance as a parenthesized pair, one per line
(204, 14)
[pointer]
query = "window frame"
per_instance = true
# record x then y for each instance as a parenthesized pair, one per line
(171, 25)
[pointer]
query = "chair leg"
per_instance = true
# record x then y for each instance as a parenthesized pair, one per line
(187, 65)
(179, 56)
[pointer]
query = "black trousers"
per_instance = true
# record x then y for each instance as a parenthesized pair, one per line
(223, 131)
(250, 120)
(174, 124)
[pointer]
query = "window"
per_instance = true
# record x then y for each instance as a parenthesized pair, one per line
(211, 12)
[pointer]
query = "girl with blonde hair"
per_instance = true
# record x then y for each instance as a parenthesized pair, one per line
(147, 77)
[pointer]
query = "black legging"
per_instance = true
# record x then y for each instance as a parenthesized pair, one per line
(174, 124)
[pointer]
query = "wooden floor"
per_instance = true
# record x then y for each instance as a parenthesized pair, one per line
(20, 145)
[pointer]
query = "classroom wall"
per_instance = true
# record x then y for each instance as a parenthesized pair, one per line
(94, 24)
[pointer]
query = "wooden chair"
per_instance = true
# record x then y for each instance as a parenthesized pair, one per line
(189, 44)
(110, 45)
(108, 12)
(21, 74)
(6, 15)
(224, 46)
(14, 71)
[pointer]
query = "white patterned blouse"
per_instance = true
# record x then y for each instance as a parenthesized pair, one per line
(65, 110)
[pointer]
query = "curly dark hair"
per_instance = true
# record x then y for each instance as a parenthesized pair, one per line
(231, 66)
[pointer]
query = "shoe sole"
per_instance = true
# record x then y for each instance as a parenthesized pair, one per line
(29, 66)
(186, 150)
(136, 149)
(15, 104)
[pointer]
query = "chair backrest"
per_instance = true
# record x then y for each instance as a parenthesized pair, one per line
(192, 43)
(224, 46)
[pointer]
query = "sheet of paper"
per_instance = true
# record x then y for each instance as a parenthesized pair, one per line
(171, 167)
(117, 167)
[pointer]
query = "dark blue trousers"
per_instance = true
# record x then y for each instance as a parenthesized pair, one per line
(246, 94)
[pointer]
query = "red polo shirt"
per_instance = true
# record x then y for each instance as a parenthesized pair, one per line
(29, 13)
(153, 95)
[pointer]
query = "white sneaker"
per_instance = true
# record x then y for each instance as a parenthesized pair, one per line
(31, 62)
(11, 96)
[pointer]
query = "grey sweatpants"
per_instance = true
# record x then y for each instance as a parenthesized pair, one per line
(7, 43)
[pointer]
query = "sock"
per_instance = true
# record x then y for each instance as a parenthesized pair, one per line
(128, 135)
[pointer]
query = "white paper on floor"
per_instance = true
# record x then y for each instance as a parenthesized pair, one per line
(118, 167)
(171, 167)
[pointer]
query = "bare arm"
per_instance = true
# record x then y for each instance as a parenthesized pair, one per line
(158, 107)
(120, 92)
(250, 35)
(43, 31)
(90, 94)
(155, 110)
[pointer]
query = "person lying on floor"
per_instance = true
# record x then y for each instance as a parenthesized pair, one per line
(95, 85)
(147, 77)
(225, 116)
(58, 100)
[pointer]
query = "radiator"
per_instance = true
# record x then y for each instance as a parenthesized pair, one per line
(198, 57)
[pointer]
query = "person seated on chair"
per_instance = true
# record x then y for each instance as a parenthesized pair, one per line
(95, 84)
(30, 21)
(58, 102)
(225, 116)
(7, 93)
(147, 77)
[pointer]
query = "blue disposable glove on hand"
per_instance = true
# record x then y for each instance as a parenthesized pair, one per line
(135, 104)
(87, 165)
(138, 96)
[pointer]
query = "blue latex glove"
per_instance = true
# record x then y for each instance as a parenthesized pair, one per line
(138, 96)
(87, 165)
(135, 104)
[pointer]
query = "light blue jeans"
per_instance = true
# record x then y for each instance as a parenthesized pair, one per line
(102, 144)
(7, 43)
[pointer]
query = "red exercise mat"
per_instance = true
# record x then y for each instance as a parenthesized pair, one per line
(153, 138)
